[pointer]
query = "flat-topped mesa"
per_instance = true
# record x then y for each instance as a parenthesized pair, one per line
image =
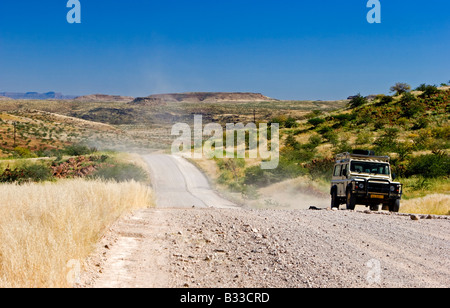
(202, 97)
(103, 98)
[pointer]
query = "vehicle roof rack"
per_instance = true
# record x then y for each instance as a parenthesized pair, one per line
(347, 156)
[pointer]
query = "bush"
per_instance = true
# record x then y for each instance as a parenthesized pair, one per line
(407, 98)
(364, 137)
(286, 170)
(231, 173)
(39, 173)
(358, 101)
(26, 173)
(292, 142)
(411, 106)
(121, 172)
(429, 166)
(314, 141)
(414, 109)
(385, 99)
(342, 146)
(316, 121)
(290, 123)
(422, 87)
(429, 90)
(421, 123)
(321, 168)
(78, 150)
(23, 153)
(441, 132)
(314, 114)
(331, 137)
(285, 122)
(387, 143)
(344, 119)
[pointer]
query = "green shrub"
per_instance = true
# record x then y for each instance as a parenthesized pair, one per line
(407, 98)
(441, 132)
(385, 99)
(364, 137)
(429, 166)
(23, 153)
(342, 146)
(121, 172)
(78, 150)
(387, 143)
(358, 101)
(27, 173)
(321, 168)
(422, 87)
(344, 119)
(331, 137)
(39, 172)
(291, 142)
(231, 173)
(285, 122)
(316, 121)
(421, 123)
(314, 141)
(314, 114)
(429, 90)
(287, 169)
(297, 152)
(291, 123)
(413, 109)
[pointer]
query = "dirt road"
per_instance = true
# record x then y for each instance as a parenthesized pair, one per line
(176, 245)
(179, 184)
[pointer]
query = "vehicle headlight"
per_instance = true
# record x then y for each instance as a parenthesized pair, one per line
(361, 185)
(392, 188)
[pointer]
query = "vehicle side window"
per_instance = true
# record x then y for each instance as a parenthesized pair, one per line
(337, 170)
(344, 168)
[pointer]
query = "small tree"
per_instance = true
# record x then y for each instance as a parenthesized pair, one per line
(422, 87)
(400, 88)
(385, 99)
(358, 100)
(429, 91)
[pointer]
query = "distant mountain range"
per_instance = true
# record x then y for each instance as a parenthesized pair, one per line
(36, 95)
(190, 97)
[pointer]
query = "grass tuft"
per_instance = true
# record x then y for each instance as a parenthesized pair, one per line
(44, 226)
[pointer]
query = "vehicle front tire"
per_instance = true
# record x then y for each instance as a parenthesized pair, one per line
(395, 206)
(334, 200)
(351, 201)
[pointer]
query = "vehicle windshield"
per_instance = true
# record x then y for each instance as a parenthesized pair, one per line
(369, 167)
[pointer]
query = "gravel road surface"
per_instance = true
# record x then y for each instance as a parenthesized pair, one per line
(179, 184)
(176, 245)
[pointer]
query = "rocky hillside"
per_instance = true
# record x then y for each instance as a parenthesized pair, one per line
(104, 98)
(202, 97)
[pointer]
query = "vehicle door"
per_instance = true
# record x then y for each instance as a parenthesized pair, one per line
(337, 178)
(343, 180)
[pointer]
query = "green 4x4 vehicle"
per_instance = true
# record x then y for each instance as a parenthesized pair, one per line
(365, 179)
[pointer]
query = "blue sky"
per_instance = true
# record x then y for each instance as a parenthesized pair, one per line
(322, 49)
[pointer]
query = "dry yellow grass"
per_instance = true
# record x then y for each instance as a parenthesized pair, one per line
(44, 226)
(436, 204)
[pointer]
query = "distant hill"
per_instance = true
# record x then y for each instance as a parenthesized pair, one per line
(104, 98)
(202, 97)
(36, 95)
